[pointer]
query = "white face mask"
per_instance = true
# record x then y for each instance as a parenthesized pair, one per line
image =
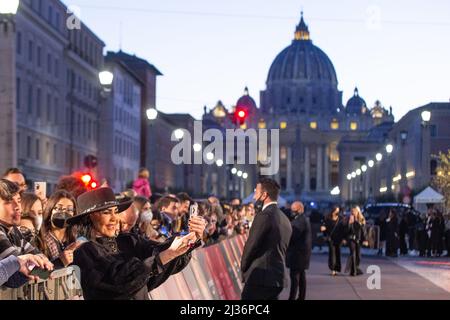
(39, 220)
(146, 216)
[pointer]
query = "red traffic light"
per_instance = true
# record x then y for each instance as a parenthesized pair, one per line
(240, 116)
(86, 178)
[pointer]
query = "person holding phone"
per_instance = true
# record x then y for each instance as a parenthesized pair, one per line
(124, 266)
(12, 242)
(10, 266)
(57, 239)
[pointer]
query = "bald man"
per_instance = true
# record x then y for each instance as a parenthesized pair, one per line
(128, 219)
(299, 251)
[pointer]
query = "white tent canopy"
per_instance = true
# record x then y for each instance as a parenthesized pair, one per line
(281, 201)
(429, 195)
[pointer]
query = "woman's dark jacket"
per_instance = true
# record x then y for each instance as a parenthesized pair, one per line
(356, 232)
(335, 230)
(124, 268)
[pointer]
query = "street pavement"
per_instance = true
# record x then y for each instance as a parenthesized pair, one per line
(403, 278)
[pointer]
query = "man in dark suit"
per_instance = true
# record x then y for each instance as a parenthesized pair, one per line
(299, 251)
(264, 257)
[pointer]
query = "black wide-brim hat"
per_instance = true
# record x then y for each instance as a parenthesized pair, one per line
(98, 200)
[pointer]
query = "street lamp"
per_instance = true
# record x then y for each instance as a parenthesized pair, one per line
(353, 174)
(210, 156)
(371, 163)
(152, 114)
(197, 147)
(349, 177)
(364, 168)
(9, 7)
(426, 116)
(240, 173)
(106, 79)
(179, 134)
(379, 157)
(234, 171)
(219, 162)
(389, 148)
(358, 172)
(245, 175)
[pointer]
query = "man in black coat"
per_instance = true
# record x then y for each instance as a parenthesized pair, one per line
(299, 251)
(264, 258)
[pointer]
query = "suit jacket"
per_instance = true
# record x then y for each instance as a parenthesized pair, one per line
(299, 250)
(264, 257)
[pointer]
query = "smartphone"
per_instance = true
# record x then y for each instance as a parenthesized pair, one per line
(40, 188)
(43, 274)
(194, 210)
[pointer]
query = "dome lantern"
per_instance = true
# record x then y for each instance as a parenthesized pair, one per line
(302, 31)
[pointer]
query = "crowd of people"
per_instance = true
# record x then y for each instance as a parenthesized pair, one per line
(74, 226)
(406, 233)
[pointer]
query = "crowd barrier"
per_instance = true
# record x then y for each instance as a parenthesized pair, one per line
(213, 274)
(64, 285)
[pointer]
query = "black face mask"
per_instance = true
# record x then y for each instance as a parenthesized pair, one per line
(59, 219)
(259, 204)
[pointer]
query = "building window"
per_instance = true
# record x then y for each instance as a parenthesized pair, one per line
(433, 167)
(19, 43)
(353, 126)
(47, 152)
(38, 102)
(28, 147)
(56, 68)
(30, 51)
(49, 107)
(30, 98)
(335, 125)
(38, 146)
(50, 14)
(283, 153)
(433, 131)
(55, 159)
(39, 57)
(18, 90)
(313, 125)
(49, 63)
(56, 110)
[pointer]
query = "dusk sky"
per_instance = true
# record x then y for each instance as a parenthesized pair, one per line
(395, 51)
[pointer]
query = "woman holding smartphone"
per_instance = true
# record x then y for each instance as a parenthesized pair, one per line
(124, 266)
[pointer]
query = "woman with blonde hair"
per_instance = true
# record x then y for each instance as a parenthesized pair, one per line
(356, 238)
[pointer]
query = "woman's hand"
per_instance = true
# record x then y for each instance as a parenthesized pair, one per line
(323, 229)
(66, 257)
(38, 261)
(365, 243)
(197, 225)
(179, 246)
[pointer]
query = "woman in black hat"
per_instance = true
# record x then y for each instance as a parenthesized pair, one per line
(124, 266)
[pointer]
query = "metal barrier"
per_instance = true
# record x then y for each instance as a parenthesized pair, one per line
(63, 285)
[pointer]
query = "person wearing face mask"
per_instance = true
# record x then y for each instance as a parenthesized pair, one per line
(58, 240)
(32, 218)
(264, 258)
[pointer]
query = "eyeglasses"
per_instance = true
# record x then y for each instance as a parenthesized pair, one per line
(63, 210)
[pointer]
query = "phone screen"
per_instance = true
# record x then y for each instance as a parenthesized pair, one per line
(41, 273)
(194, 210)
(40, 189)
